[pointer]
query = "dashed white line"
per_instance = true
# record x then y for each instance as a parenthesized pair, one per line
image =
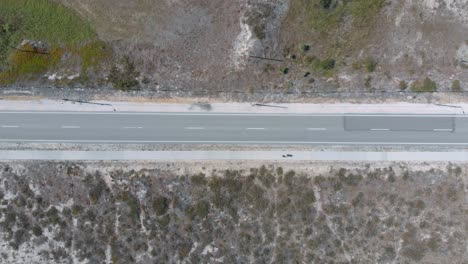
(133, 127)
(70, 127)
(380, 129)
(194, 128)
(443, 130)
(317, 128)
(255, 128)
(10, 126)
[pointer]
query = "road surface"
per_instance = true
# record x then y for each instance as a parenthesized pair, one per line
(219, 128)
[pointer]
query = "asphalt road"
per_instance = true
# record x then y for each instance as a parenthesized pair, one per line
(118, 127)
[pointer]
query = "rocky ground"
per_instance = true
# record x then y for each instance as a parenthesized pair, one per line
(210, 212)
(345, 50)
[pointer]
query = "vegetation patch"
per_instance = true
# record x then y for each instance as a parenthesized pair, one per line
(325, 16)
(27, 61)
(325, 66)
(334, 28)
(369, 64)
(94, 53)
(456, 86)
(426, 85)
(46, 22)
(403, 85)
(124, 78)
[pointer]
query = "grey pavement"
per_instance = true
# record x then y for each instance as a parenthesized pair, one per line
(234, 155)
(219, 128)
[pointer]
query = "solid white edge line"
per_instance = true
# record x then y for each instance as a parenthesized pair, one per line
(231, 142)
(317, 129)
(10, 126)
(242, 114)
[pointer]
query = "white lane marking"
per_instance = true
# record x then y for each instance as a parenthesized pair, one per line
(380, 129)
(317, 128)
(10, 126)
(194, 128)
(242, 114)
(70, 127)
(237, 142)
(133, 127)
(255, 128)
(443, 130)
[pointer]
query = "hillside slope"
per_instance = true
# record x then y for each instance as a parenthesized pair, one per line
(316, 46)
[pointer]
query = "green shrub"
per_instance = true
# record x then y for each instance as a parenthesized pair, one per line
(357, 65)
(403, 85)
(53, 215)
(93, 53)
(38, 20)
(76, 209)
(45, 20)
(284, 70)
(161, 205)
(28, 61)
(202, 209)
(37, 230)
(363, 11)
(133, 204)
(199, 179)
(304, 47)
(368, 82)
(426, 85)
(125, 79)
(327, 4)
(326, 15)
(325, 65)
(456, 87)
(370, 64)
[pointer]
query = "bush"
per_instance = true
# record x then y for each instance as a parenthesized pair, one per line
(125, 79)
(93, 53)
(76, 209)
(368, 82)
(427, 85)
(327, 4)
(456, 87)
(161, 205)
(37, 230)
(304, 47)
(370, 64)
(403, 85)
(324, 65)
(202, 209)
(284, 70)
